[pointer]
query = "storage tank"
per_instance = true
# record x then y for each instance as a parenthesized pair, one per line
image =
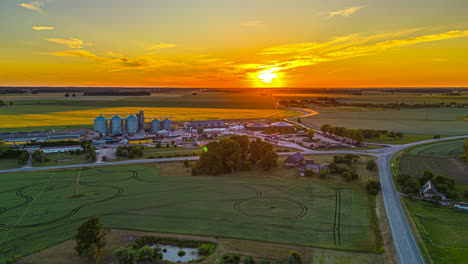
(100, 124)
(116, 124)
(156, 125)
(167, 124)
(131, 124)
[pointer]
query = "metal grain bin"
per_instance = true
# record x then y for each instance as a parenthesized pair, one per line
(131, 124)
(116, 123)
(156, 125)
(100, 124)
(167, 124)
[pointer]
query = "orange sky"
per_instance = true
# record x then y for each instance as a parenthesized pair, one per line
(221, 43)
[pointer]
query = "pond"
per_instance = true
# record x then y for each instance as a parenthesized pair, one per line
(171, 253)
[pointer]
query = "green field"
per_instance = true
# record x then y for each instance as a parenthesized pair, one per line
(443, 230)
(8, 164)
(279, 207)
(426, 121)
(441, 158)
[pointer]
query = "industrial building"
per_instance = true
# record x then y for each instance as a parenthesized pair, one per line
(133, 123)
(58, 149)
(206, 124)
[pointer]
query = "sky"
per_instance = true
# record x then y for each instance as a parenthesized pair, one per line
(234, 43)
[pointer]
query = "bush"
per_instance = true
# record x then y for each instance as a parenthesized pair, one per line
(230, 259)
(295, 258)
(249, 260)
(145, 253)
(371, 164)
(465, 193)
(373, 187)
(403, 177)
(206, 249)
(125, 255)
(309, 173)
(324, 173)
(181, 253)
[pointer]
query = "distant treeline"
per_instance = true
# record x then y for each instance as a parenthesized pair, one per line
(117, 93)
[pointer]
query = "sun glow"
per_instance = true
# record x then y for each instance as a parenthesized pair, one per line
(267, 77)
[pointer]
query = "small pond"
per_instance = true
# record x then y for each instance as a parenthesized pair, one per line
(172, 253)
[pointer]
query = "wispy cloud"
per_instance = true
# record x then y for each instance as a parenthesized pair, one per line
(74, 53)
(73, 43)
(161, 46)
(256, 23)
(345, 12)
(39, 28)
(288, 57)
(33, 6)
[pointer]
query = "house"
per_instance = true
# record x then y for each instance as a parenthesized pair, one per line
(293, 160)
(257, 126)
(61, 149)
(429, 190)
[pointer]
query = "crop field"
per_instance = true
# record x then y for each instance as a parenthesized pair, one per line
(431, 121)
(39, 209)
(442, 229)
(441, 158)
(86, 117)
(8, 164)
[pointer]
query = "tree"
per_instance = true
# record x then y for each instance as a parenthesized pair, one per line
(73, 95)
(371, 164)
(466, 148)
(91, 239)
(125, 255)
(295, 258)
(186, 164)
(323, 174)
(172, 142)
(269, 161)
(325, 128)
(403, 177)
(67, 95)
(244, 143)
(38, 156)
(200, 130)
(373, 187)
(158, 145)
(299, 120)
(310, 133)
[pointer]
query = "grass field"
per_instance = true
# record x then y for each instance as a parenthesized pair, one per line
(443, 230)
(427, 121)
(441, 158)
(8, 164)
(407, 138)
(65, 158)
(275, 206)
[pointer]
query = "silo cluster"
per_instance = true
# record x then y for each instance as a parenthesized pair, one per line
(131, 124)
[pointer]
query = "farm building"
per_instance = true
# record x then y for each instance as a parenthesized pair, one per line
(58, 149)
(294, 160)
(206, 124)
(429, 190)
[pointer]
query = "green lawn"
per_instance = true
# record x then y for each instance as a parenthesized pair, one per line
(8, 164)
(65, 158)
(276, 206)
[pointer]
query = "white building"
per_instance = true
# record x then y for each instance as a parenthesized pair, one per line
(57, 149)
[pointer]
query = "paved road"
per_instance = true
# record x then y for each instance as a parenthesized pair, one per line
(405, 244)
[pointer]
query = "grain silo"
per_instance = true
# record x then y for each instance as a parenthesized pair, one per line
(100, 124)
(131, 124)
(116, 123)
(156, 125)
(167, 124)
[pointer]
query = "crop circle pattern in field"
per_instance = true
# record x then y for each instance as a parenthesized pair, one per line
(271, 207)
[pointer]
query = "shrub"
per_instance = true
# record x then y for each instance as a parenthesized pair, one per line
(164, 250)
(249, 260)
(465, 193)
(230, 259)
(309, 173)
(206, 249)
(125, 255)
(295, 258)
(373, 187)
(145, 253)
(371, 164)
(181, 253)
(324, 173)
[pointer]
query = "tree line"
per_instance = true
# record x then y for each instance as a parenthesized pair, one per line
(233, 154)
(358, 134)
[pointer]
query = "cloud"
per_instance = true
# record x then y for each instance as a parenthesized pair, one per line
(74, 53)
(161, 46)
(255, 23)
(33, 6)
(39, 28)
(72, 42)
(292, 56)
(345, 12)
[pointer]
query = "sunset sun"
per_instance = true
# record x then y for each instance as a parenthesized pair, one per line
(267, 76)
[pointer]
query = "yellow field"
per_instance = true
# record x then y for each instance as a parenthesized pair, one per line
(85, 117)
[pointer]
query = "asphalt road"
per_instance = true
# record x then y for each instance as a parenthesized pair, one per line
(405, 244)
